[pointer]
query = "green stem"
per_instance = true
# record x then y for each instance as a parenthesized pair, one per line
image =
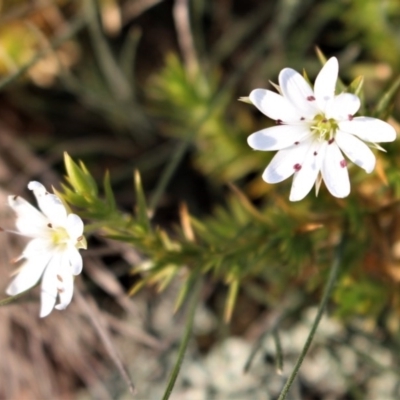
(185, 340)
(117, 82)
(279, 353)
(327, 292)
(10, 299)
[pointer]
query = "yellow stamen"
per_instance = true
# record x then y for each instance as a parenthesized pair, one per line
(323, 127)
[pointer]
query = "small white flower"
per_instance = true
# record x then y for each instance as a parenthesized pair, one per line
(313, 128)
(53, 251)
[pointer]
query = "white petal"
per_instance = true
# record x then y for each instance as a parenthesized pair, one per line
(298, 92)
(334, 172)
(49, 203)
(30, 221)
(75, 260)
(285, 162)
(356, 150)
(305, 178)
(369, 129)
(278, 137)
(65, 294)
(325, 83)
(49, 286)
(37, 247)
(29, 275)
(74, 226)
(274, 106)
(343, 107)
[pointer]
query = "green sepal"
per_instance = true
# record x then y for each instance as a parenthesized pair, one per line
(245, 99)
(321, 56)
(305, 76)
(356, 86)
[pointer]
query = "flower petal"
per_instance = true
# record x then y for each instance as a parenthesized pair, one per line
(50, 204)
(298, 92)
(29, 275)
(356, 150)
(285, 162)
(325, 83)
(369, 129)
(75, 260)
(30, 221)
(274, 106)
(334, 172)
(343, 107)
(66, 291)
(37, 247)
(49, 286)
(278, 137)
(74, 226)
(305, 178)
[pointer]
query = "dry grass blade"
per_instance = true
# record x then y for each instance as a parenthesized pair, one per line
(92, 311)
(185, 37)
(132, 9)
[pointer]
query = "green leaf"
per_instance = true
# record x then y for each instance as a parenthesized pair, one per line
(384, 105)
(185, 289)
(141, 207)
(89, 179)
(73, 198)
(79, 177)
(231, 300)
(110, 199)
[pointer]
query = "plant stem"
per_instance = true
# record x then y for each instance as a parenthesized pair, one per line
(90, 307)
(185, 340)
(327, 292)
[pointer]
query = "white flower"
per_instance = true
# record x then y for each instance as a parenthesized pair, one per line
(53, 251)
(313, 128)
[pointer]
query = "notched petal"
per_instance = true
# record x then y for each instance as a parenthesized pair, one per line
(369, 129)
(65, 295)
(334, 173)
(286, 162)
(325, 83)
(29, 274)
(278, 137)
(304, 179)
(50, 204)
(75, 260)
(343, 107)
(298, 92)
(356, 150)
(274, 106)
(74, 226)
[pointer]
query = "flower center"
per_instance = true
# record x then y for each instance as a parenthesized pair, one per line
(323, 127)
(59, 236)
